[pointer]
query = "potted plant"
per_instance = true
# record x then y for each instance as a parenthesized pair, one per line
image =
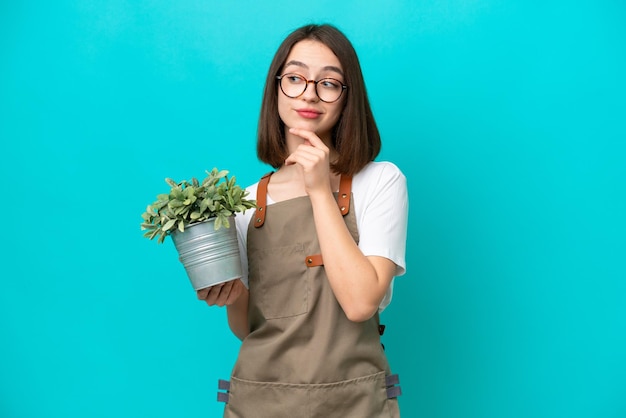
(198, 216)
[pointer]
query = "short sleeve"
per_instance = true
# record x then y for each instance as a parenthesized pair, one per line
(242, 220)
(383, 216)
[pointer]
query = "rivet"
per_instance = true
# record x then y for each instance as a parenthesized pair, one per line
(344, 195)
(343, 208)
(260, 209)
(310, 261)
(258, 220)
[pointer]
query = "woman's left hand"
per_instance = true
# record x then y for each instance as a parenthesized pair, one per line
(222, 294)
(313, 158)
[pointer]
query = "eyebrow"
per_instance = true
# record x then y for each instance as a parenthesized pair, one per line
(326, 68)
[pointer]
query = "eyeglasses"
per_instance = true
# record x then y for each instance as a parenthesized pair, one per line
(293, 85)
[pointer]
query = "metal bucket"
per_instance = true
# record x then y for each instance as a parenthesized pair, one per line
(210, 257)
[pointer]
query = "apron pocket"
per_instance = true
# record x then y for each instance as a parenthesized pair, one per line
(364, 397)
(248, 399)
(280, 285)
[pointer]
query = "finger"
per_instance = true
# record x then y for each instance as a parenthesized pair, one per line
(235, 292)
(222, 298)
(290, 160)
(310, 136)
(304, 158)
(202, 293)
(306, 155)
(214, 292)
(304, 162)
(296, 157)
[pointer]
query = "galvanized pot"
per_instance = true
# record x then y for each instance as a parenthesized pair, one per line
(210, 257)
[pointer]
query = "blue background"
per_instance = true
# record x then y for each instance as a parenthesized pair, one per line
(507, 117)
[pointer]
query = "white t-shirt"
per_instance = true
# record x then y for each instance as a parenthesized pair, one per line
(381, 208)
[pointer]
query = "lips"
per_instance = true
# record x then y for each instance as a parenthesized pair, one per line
(308, 113)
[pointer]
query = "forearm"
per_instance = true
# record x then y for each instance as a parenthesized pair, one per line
(358, 282)
(238, 315)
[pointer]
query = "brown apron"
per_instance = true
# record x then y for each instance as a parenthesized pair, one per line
(303, 358)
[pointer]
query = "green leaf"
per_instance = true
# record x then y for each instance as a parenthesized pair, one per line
(177, 193)
(154, 233)
(169, 224)
(218, 196)
(189, 191)
(157, 206)
(182, 211)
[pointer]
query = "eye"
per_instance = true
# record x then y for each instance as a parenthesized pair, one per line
(330, 84)
(294, 78)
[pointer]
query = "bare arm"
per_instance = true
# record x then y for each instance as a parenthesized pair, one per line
(238, 315)
(234, 296)
(358, 282)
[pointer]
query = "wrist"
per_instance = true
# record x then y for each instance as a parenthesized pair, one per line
(320, 195)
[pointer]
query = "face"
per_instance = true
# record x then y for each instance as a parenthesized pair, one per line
(314, 61)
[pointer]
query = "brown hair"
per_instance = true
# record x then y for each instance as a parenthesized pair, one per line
(355, 137)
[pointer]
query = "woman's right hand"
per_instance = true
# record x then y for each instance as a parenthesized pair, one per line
(222, 294)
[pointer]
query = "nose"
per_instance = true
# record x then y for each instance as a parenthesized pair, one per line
(310, 93)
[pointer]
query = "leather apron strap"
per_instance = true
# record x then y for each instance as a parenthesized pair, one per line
(261, 201)
(345, 191)
(343, 201)
(343, 198)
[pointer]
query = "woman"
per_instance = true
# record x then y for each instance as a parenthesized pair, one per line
(322, 247)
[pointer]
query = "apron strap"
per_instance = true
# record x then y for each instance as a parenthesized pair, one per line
(314, 260)
(343, 198)
(343, 201)
(345, 191)
(261, 201)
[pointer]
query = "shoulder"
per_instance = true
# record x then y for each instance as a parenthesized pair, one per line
(252, 190)
(378, 174)
(376, 169)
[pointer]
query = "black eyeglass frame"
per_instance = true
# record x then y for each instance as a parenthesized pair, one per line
(306, 86)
